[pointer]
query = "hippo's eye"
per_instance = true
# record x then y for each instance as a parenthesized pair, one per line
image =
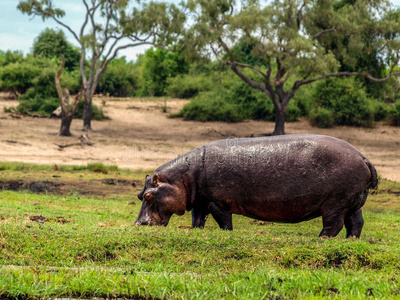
(148, 197)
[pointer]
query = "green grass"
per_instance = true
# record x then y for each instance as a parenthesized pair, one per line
(98, 253)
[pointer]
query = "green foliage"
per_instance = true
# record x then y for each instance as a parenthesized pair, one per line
(245, 51)
(321, 117)
(360, 52)
(380, 109)
(43, 85)
(53, 44)
(210, 106)
(293, 43)
(232, 100)
(346, 100)
(18, 77)
(97, 112)
(156, 67)
(10, 57)
(188, 85)
(119, 79)
(394, 115)
(45, 106)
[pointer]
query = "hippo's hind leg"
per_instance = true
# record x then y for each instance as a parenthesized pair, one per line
(221, 216)
(354, 220)
(332, 223)
(354, 223)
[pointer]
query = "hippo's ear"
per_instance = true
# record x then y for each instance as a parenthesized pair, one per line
(147, 176)
(156, 180)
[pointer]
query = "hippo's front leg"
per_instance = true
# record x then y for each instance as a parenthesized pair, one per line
(199, 217)
(221, 216)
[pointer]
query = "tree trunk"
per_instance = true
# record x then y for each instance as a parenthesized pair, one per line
(66, 121)
(280, 114)
(87, 112)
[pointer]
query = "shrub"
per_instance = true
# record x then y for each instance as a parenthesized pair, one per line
(18, 77)
(380, 110)
(119, 79)
(156, 66)
(188, 86)
(46, 106)
(210, 106)
(347, 100)
(304, 99)
(394, 115)
(321, 117)
(97, 113)
(232, 101)
(38, 106)
(10, 57)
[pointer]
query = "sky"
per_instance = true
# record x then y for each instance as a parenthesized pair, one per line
(18, 31)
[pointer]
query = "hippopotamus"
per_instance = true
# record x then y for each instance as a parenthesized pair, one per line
(290, 179)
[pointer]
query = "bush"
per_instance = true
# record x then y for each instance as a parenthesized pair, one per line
(119, 79)
(156, 66)
(380, 110)
(97, 113)
(394, 115)
(346, 99)
(47, 105)
(304, 99)
(188, 86)
(210, 106)
(233, 100)
(10, 57)
(321, 117)
(35, 106)
(18, 77)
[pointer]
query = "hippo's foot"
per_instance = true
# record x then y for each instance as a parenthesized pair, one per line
(221, 216)
(332, 223)
(354, 223)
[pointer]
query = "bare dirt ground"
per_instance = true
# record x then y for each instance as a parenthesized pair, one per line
(140, 136)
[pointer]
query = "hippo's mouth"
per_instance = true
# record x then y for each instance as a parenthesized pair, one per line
(153, 221)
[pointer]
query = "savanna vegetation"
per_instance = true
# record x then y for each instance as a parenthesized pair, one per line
(334, 62)
(82, 243)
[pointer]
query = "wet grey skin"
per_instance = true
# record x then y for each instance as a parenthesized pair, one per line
(288, 179)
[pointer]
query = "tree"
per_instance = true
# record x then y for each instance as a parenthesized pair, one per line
(286, 36)
(51, 43)
(67, 110)
(106, 29)
(157, 65)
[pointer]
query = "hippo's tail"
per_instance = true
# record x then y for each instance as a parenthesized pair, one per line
(373, 182)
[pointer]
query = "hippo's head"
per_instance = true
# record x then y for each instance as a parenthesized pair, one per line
(160, 200)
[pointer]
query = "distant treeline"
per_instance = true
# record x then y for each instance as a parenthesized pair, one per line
(215, 92)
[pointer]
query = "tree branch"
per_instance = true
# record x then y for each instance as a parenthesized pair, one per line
(68, 28)
(250, 82)
(77, 100)
(315, 36)
(58, 86)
